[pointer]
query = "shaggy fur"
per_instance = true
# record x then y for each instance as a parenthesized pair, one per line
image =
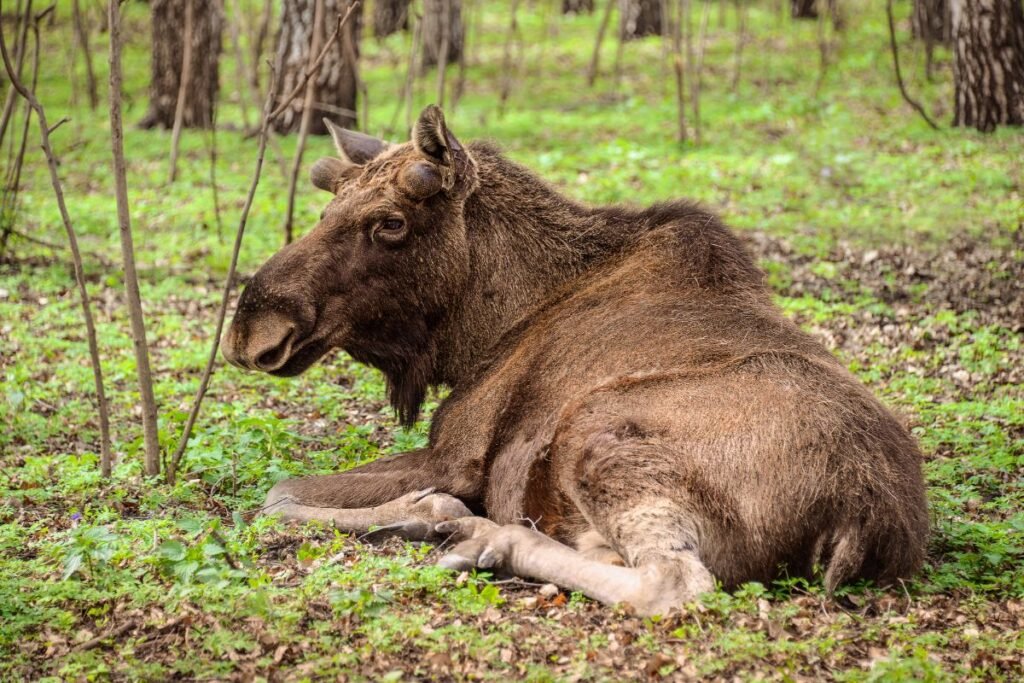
(620, 377)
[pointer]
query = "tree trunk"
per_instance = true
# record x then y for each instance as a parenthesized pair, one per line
(434, 30)
(390, 16)
(167, 21)
(577, 6)
(988, 67)
(931, 22)
(803, 9)
(639, 18)
(336, 86)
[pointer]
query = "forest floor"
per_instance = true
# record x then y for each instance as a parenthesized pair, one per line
(899, 247)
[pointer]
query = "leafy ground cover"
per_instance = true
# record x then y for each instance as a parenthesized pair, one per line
(900, 247)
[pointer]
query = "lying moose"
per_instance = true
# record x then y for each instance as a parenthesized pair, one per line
(630, 416)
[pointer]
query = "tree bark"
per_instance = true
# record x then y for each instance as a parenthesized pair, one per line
(438, 29)
(390, 16)
(167, 20)
(577, 6)
(639, 18)
(803, 9)
(988, 67)
(336, 85)
(931, 22)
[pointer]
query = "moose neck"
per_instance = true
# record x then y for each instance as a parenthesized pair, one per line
(526, 241)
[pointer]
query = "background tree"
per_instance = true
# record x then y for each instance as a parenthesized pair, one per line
(577, 6)
(803, 9)
(167, 19)
(390, 16)
(931, 21)
(336, 85)
(988, 68)
(442, 22)
(639, 18)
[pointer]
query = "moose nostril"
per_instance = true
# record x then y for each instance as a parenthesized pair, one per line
(277, 355)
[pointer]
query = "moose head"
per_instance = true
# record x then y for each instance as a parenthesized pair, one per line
(377, 273)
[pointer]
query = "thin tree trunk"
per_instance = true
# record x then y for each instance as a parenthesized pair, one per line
(442, 52)
(20, 48)
(679, 68)
(741, 39)
(243, 78)
(131, 280)
(307, 115)
(595, 56)
(438, 23)
(988, 67)
(698, 73)
(260, 37)
(183, 87)
(506, 59)
(82, 36)
(166, 69)
(76, 255)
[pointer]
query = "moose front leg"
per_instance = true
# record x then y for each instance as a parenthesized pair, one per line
(412, 516)
(406, 495)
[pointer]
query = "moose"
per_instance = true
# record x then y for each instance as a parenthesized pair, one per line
(629, 416)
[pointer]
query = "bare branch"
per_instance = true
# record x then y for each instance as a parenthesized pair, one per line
(76, 256)
(899, 75)
(82, 37)
(131, 279)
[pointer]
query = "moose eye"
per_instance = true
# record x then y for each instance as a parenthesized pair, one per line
(391, 230)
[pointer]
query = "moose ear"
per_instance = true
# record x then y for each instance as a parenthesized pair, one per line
(434, 141)
(327, 173)
(357, 148)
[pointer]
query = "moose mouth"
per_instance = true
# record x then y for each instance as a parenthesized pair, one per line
(301, 359)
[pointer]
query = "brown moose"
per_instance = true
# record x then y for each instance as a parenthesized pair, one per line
(630, 416)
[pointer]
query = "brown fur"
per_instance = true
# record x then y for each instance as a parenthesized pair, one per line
(616, 374)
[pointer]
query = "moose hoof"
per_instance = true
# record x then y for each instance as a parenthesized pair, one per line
(480, 543)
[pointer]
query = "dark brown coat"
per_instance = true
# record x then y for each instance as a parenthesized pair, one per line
(620, 378)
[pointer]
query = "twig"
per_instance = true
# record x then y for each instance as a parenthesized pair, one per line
(131, 279)
(268, 116)
(212, 153)
(316, 65)
(98, 640)
(899, 76)
(76, 256)
(183, 85)
(307, 118)
(82, 36)
(595, 56)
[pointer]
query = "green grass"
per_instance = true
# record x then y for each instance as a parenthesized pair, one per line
(209, 592)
